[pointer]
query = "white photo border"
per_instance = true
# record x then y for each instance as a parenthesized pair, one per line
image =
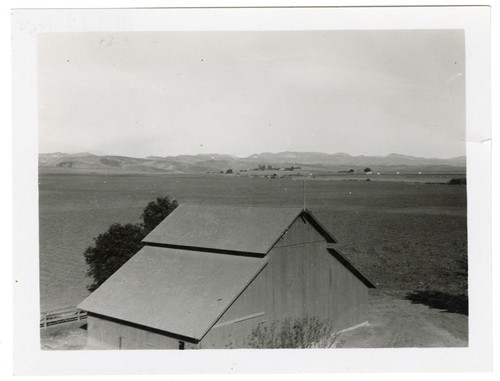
(29, 359)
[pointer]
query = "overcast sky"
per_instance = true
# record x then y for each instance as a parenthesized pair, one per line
(239, 93)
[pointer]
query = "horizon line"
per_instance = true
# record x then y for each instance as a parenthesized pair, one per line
(249, 156)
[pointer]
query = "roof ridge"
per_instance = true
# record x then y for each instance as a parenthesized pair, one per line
(224, 227)
(243, 206)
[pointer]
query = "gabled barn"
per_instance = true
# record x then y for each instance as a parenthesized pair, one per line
(209, 275)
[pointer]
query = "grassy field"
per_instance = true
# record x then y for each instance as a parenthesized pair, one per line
(409, 237)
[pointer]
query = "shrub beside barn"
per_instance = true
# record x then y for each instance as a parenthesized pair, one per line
(210, 275)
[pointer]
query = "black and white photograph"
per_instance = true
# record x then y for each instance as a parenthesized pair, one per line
(254, 188)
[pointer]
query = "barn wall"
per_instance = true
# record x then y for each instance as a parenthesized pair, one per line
(107, 334)
(234, 327)
(304, 279)
(301, 279)
(300, 232)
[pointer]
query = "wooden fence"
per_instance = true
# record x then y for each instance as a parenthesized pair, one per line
(51, 318)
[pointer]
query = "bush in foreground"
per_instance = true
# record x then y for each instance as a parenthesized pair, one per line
(308, 332)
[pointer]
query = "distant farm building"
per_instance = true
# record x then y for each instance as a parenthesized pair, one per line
(209, 275)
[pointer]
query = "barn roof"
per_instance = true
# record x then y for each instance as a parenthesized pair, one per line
(229, 228)
(178, 291)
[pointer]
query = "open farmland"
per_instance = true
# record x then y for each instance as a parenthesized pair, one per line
(408, 238)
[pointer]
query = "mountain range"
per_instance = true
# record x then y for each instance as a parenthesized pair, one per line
(203, 163)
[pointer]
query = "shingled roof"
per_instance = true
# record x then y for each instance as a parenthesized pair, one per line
(153, 287)
(229, 228)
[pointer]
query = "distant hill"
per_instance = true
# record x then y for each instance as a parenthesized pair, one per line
(346, 159)
(202, 163)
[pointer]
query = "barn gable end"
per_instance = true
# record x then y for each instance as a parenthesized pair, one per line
(303, 274)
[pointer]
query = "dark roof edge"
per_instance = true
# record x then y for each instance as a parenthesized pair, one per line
(313, 221)
(299, 213)
(340, 257)
(234, 299)
(252, 206)
(204, 249)
(173, 335)
(324, 232)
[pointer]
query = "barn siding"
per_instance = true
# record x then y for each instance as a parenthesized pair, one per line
(297, 235)
(304, 279)
(301, 279)
(107, 334)
(233, 328)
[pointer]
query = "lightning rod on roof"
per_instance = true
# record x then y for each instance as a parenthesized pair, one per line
(304, 191)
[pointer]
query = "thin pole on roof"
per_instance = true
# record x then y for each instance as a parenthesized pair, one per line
(304, 191)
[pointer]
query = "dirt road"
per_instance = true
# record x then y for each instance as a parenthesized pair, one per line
(394, 322)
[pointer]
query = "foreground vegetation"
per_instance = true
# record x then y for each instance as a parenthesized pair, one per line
(305, 332)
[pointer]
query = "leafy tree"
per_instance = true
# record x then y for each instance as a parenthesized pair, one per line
(120, 242)
(156, 211)
(367, 170)
(111, 250)
(229, 171)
